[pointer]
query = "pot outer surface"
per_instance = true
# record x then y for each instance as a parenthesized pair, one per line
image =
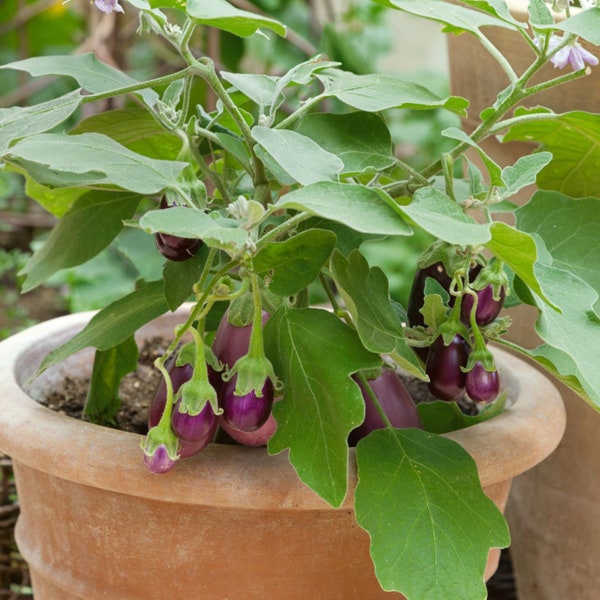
(229, 523)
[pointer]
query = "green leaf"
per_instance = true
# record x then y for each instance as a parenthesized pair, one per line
(585, 24)
(296, 262)
(574, 330)
(18, 122)
(223, 15)
(90, 73)
(493, 169)
(442, 417)
(302, 159)
(88, 227)
(348, 204)
(524, 172)
(179, 278)
(315, 353)
(195, 224)
(456, 17)
(366, 296)
(260, 88)
(431, 525)
(519, 251)
(91, 159)
(539, 13)
(442, 217)
(110, 366)
(115, 323)
(361, 140)
(135, 129)
(569, 228)
(376, 92)
(573, 138)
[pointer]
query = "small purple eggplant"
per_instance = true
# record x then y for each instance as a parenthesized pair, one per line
(446, 379)
(194, 428)
(395, 401)
(248, 412)
(488, 308)
(482, 385)
(159, 461)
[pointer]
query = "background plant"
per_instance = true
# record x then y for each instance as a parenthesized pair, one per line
(283, 177)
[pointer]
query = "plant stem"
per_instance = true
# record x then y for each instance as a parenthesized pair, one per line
(369, 390)
(281, 229)
(142, 85)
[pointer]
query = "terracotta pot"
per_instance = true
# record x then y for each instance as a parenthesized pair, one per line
(231, 522)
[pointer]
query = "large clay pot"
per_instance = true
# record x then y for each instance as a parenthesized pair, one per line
(554, 510)
(231, 522)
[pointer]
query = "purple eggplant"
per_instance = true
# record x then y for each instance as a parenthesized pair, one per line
(194, 428)
(395, 401)
(417, 292)
(248, 412)
(488, 308)
(446, 380)
(173, 247)
(160, 461)
(179, 375)
(482, 385)
(259, 437)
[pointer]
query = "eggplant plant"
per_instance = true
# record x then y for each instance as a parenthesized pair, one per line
(260, 189)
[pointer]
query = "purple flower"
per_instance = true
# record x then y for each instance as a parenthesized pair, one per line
(108, 6)
(573, 54)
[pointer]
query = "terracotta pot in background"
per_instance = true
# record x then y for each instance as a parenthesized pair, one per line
(554, 510)
(231, 522)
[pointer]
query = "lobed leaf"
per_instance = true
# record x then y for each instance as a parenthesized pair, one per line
(315, 353)
(431, 524)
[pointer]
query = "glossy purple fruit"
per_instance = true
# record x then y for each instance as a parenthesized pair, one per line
(488, 308)
(482, 385)
(179, 375)
(194, 428)
(396, 402)
(173, 247)
(446, 380)
(247, 412)
(259, 437)
(159, 462)
(187, 449)
(417, 291)
(176, 248)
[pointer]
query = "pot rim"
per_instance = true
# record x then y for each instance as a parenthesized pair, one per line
(505, 446)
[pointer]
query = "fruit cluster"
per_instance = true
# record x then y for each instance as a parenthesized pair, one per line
(456, 358)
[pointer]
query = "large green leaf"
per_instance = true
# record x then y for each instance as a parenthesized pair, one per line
(573, 138)
(110, 366)
(366, 296)
(115, 323)
(315, 353)
(574, 331)
(431, 525)
(376, 92)
(18, 122)
(90, 159)
(301, 158)
(348, 204)
(89, 226)
(442, 217)
(135, 129)
(519, 251)
(90, 73)
(296, 262)
(223, 15)
(456, 17)
(260, 88)
(585, 24)
(361, 140)
(195, 224)
(570, 229)
(179, 277)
